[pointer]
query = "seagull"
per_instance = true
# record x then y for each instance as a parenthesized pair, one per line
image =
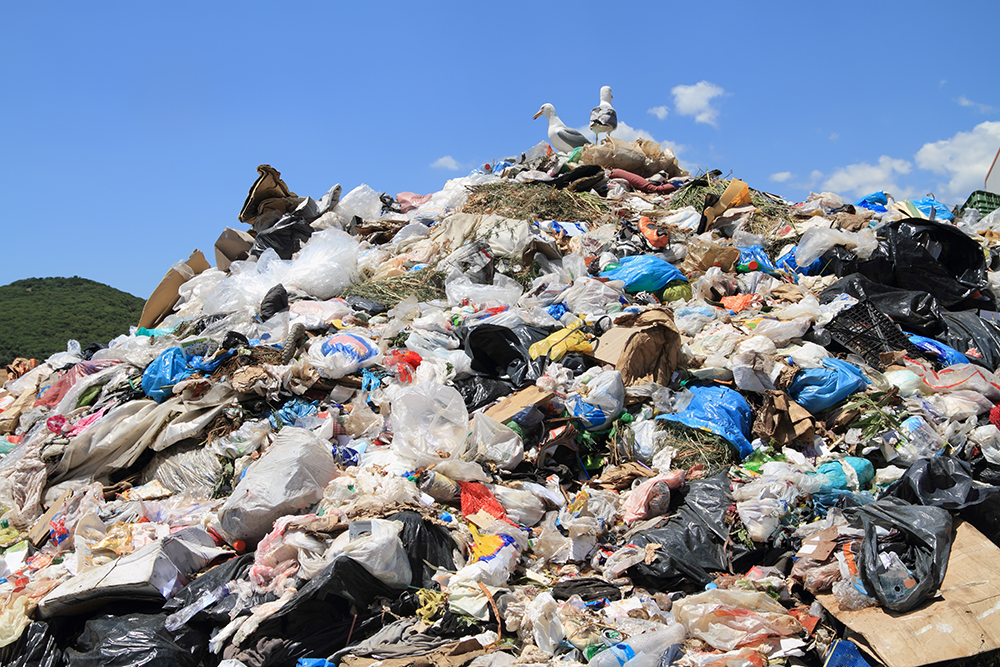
(603, 117)
(562, 138)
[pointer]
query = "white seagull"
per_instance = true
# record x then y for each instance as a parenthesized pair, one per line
(603, 117)
(562, 138)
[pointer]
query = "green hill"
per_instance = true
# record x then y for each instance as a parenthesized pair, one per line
(38, 315)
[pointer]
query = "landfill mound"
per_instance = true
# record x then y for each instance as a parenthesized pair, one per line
(572, 408)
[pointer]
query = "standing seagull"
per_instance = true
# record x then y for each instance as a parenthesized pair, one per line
(562, 138)
(603, 117)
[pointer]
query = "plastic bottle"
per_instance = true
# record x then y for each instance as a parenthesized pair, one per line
(185, 614)
(654, 642)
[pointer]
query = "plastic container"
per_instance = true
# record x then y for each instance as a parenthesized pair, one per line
(984, 202)
(863, 329)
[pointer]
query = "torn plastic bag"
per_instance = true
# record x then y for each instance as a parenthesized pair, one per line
(496, 443)
(644, 273)
(274, 302)
(474, 260)
(287, 479)
(817, 389)
(218, 612)
(788, 262)
(694, 544)
(902, 571)
(973, 336)
(164, 372)
(727, 618)
(461, 289)
(720, 410)
(135, 640)
(817, 240)
(429, 423)
(915, 311)
(499, 351)
(189, 467)
(285, 237)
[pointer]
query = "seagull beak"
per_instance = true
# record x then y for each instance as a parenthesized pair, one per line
(537, 115)
(611, 96)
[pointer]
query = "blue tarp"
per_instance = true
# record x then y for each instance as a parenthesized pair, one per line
(720, 410)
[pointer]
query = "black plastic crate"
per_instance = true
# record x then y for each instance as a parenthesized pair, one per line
(866, 331)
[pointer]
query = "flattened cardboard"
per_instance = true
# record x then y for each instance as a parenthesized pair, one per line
(40, 530)
(510, 406)
(162, 300)
(233, 245)
(819, 546)
(961, 621)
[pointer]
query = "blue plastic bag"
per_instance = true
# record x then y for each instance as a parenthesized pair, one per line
(817, 389)
(720, 410)
(834, 471)
(787, 262)
(876, 201)
(756, 253)
(927, 204)
(947, 355)
(164, 372)
(644, 273)
(292, 411)
(200, 364)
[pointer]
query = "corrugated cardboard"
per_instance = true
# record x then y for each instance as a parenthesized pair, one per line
(510, 406)
(163, 298)
(961, 621)
(233, 245)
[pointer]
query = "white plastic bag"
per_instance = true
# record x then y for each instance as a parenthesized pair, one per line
(342, 354)
(818, 240)
(429, 423)
(546, 626)
(287, 479)
(363, 202)
(381, 553)
(459, 288)
(325, 266)
(522, 506)
(590, 296)
(602, 402)
(495, 442)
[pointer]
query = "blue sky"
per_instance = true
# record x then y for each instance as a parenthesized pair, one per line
(132, 130)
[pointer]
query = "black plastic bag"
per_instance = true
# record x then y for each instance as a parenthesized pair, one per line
(943, 481)
(427, 546)
(693, 543)
(906, 564)
(588, 588)
(274, 302)
(499, 351)
(234, 568)
(967, 331)
(916, 312)
(478, 390)
(286, 236)
(37, 647)
(136, 640)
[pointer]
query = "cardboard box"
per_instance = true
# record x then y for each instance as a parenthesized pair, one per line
(962, 620)
(161, 302)
(510, 406)
(233, 245)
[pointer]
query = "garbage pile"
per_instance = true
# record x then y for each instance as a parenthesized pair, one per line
(573, 408)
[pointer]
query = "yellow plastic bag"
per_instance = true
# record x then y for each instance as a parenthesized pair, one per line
(557, 345)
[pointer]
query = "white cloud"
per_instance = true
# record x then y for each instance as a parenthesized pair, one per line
(863, 178)
(964, 158)
(446, 162)
(814, 177)
(964, 101)
(660, 112)
(834, 136)
(781, 176)
(696, 101)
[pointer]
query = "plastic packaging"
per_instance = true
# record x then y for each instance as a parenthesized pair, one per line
(288, 478)
(719, 410)
(651, 643)
(817, 389)
(604, 399)
(495, 442)
(817, 240)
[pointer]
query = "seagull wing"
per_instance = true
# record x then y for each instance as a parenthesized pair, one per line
(572, 137)
(603, 116)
